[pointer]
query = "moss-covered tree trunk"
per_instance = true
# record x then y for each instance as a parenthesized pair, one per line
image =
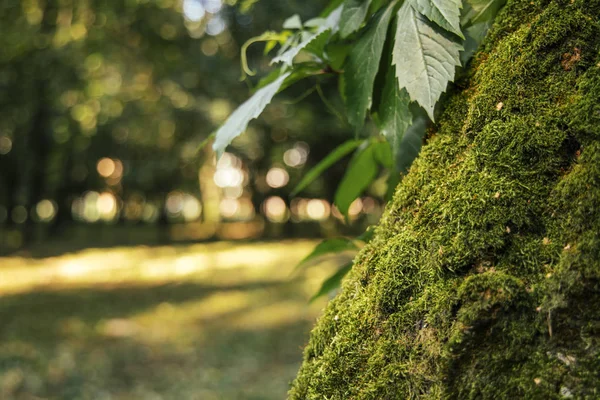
(483, 280)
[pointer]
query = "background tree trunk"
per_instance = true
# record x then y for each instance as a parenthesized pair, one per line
(483, 279)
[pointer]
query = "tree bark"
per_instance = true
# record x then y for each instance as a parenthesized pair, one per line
(483, 279)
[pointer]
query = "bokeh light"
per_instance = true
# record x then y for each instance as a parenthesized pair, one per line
(19, 214)
(174, 204)
(192, 209)
(5, 145)
(275, 209)
(318, 209)
(229, 207)
(277, 177)
(107, 206)
(105, 167)
(150, 213)
(297, 155)
(216, 25)
(355, 208)
(193, 10)
(46, 210)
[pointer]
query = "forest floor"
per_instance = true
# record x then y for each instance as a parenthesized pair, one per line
(202, 321)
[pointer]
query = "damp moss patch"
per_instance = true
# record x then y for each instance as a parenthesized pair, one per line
(483, 277)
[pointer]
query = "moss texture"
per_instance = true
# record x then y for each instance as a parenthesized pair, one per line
(483, 280)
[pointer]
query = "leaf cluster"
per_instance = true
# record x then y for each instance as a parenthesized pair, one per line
(392, 61)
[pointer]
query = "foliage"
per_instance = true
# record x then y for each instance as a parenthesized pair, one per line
(411, 47)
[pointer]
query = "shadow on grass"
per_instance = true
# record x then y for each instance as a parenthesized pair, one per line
(39, 315)
(226, 333)
(231, 364)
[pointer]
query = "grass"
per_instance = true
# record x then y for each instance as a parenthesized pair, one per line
(210, 321)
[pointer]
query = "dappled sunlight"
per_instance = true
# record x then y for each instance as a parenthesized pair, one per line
(208, 321)
(148, 264)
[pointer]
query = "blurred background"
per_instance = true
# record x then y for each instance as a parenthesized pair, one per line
(132, 264)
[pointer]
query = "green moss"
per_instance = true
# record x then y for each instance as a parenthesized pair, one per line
(483, 280)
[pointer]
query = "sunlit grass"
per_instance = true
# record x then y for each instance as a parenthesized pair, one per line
(207, 321)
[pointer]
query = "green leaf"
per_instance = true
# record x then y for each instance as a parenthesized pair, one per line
(408, 149)
(383, 154)
(367, 235)
(290, 41)
(362, 66)
(478, 11)
(293, 22)
(314, 22)
(331, 25)
(337, 154)
(337, 53)
(333, 282)
(353, 15)
(394, 114)
(246, 5)
(252, 108)
(445, 13)
(474, 37)
(411, 142)
(270, 45)
(269, 78)
(302, 71)
(333, 5)
(424, 57)
(361, 172)
(392, 181)
(328, 246)
(317, 46)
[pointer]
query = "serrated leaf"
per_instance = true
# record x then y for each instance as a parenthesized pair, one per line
(424, 57)
(293, 22)
(314, 22)
(302, 71)
(362, 66)
(394, 113)
(361, 172)
(317, 46)
(333, 282)
(328, 246)
(445, 13)
(270, 77)
(478, 11)
(337, 154)
(290, 41)
(250, 109)
(353, 15)
(330, 25)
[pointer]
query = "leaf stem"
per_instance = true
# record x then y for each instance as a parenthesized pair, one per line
(328, 104)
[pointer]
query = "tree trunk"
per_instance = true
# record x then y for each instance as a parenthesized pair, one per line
(483, 279)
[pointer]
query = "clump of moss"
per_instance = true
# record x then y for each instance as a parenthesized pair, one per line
(483, 279)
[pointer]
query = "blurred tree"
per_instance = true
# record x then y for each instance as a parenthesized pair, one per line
(114, 97)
